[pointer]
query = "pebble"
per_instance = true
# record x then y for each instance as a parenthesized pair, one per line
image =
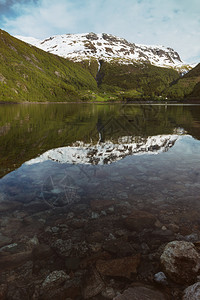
(54, 279)
(95, 215)
(160, 278)
(108, 293)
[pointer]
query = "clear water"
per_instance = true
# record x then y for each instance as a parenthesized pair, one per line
(70, 176)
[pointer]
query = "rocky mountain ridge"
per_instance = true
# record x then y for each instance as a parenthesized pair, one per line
(87, 46)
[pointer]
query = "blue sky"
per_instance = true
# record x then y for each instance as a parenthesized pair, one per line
(173, 23)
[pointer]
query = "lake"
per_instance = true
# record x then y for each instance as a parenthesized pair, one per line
(72, 177)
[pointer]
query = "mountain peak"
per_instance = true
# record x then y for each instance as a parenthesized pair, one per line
(107, 47)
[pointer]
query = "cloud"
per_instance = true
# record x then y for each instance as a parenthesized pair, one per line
(171, 23)
(40, 19)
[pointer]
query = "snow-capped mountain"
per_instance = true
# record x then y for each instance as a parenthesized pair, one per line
(108, 152)
(107, 47)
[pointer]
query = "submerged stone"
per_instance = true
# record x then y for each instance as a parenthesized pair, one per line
(54, 280)
(93, 284)
(4, 240)
(62, 247)
(138, 220)
(14, 260)
(3, 289)
(119, 267)
(41, 251)
(99, 205)
(192, 292)
(160, 278)
(72, 263)
(118, 246)
(181, 261)
(9, 205)
(108, 293)
(141, 293)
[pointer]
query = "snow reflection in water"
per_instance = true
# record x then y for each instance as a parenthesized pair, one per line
(110, 170)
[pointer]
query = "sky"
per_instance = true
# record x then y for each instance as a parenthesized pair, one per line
(171, 23)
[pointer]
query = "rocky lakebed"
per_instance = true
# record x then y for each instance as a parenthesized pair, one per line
(99, 249)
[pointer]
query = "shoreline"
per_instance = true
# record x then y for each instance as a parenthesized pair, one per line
(142, 102)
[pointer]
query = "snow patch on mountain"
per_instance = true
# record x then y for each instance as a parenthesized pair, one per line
(78, 47)
(107, 152)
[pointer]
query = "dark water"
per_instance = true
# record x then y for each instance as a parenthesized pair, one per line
(57, 160)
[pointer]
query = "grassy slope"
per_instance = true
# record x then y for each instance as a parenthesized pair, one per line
(186, 87)
(30, 74)
(135, 80)
(195, 74)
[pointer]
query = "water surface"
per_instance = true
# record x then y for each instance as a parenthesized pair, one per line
(71, 174)
(101, 151)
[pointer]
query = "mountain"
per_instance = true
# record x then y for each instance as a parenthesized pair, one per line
(123, 71)
(94, 67)
(186, 87)
(30, 74)
(79, 47)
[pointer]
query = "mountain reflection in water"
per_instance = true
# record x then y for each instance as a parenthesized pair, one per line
(107, 152)
(27, 131)
(96, 150)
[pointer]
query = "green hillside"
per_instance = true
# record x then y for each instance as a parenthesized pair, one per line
(128, 82)
(142, 77)
(30, 74)
(187, 87)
